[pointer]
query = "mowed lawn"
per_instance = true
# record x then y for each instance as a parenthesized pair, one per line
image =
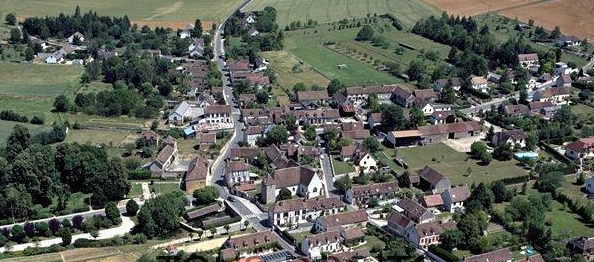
(455, 165)
(175, 13)
(308, 46)
(333, 10)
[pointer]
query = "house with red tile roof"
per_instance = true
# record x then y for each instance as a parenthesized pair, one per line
(580, 150)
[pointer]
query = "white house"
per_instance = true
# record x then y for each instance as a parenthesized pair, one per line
(568, 40)
(54, 58)
(196, 48)
(590, 185)
(253, 32)
(237, 172)
(217, 114)
(302, 210)
(76, 35)
(580, 150)
(252, 133)
(299, 180)
(453, 198)
(326, 242)
(186, 32)
(479, 83)
(528, 60)
(510, 137)
(360, 94)
(424, 106)
(179, 113)
(556, 95)
(360, 156)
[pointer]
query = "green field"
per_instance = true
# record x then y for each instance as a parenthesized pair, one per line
(26, 80)
(310, 49)
(455, 165)
(341, 167)
(325, 48)
(166, 12)
(282, 62)
(162, 188)
(333, 10)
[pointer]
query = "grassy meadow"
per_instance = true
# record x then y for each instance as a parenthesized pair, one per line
(325, 11)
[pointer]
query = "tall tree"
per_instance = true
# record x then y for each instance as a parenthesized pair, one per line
(18, 141)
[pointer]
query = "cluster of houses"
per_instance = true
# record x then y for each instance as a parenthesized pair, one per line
(162, 165)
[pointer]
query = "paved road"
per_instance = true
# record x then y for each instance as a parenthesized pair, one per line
(328, 175)
(246, 209)
(125, 227)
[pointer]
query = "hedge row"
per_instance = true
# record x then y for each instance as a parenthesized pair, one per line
(444, 254)
(10, 115)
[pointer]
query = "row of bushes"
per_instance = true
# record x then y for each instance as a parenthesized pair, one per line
(10, 115)
(114, 241)
(139, 174)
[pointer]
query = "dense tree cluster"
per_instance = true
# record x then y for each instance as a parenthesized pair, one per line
(161, 215)
(270, 37)
(90, 24)
(34, 175)
(557, 130)
(472, 47)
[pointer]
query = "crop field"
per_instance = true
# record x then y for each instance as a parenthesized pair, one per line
(475, 7)
(574, 17)
(323, 11)
(168, 13)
